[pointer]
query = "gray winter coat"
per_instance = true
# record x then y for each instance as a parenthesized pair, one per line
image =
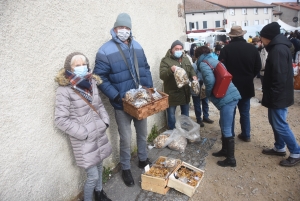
(84, 126)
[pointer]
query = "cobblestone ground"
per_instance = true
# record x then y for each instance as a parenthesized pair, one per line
(194, 154)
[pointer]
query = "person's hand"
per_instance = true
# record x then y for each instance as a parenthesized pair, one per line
(195, 78)
(117, 99)
(173, 68)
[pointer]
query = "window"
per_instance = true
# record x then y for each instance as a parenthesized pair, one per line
(231, 11)
(255, 11)
(197, 26)
(267, 21)
(265, 10)
(204, 24)
(218, 24)
(245, 23)
(192, 25)
(256, 22)
(244, 11)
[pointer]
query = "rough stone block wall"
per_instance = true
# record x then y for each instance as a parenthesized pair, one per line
(37, 162)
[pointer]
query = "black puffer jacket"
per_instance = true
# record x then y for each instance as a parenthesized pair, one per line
(278, 88)
(242, 60)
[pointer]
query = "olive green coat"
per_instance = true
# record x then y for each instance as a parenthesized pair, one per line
(177, 96)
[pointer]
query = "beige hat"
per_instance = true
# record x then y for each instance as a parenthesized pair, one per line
(236, 31)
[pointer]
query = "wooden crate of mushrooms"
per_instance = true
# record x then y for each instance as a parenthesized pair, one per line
(148, 104)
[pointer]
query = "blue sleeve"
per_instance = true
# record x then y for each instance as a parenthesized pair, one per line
(103, 69)
(208, 78)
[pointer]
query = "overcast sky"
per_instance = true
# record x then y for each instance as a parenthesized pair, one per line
(273, 1)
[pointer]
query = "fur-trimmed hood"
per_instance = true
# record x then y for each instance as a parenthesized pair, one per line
(63, 81)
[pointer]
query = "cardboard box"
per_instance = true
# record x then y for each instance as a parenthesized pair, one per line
(157, 184)
(181, 186)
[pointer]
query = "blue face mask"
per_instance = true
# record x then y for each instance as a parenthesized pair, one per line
(178, 54)
(81, 71)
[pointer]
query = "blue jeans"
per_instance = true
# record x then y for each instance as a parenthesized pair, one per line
(282, 132)
(197, 107)
(171, 114)
(244, 109)
(93, 181)
(124, 127)
(227, 119)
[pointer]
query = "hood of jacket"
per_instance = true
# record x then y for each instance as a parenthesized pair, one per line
(279, 39)
(63, 81)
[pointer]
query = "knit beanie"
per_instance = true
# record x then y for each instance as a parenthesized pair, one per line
(270, 30)
(123, 19)
(176, 42)
(67, 65)
(218, 48)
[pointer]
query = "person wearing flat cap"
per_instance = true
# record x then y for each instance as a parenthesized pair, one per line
(122, 65)
(242, 60)
(177, 96)
(278, 93)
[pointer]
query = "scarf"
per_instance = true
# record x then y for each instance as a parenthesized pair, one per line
(82, 85)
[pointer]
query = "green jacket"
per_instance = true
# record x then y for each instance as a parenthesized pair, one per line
(177, 96)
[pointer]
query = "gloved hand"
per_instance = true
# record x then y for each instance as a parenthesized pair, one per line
(201, 82)
(117, 99)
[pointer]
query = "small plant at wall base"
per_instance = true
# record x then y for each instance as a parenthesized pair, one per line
(106, 174)
(153, 134)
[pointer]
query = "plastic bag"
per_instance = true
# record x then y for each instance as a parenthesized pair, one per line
(296, 69)
(195, 88)
(188, 128)
(179, 144)
(163, 139)
(156, 95)
(181, 77)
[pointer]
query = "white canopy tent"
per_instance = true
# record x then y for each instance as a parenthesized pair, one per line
(286, 26)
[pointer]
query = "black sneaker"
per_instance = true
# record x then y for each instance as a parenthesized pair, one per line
(127, 177)
(143, 164)
(289, 162)
(200, 122)
(273, 152)
(207, 120)
(245, 139)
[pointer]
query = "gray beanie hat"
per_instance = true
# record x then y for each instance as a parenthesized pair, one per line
(67, 65)
(176, 42)
(123, 19)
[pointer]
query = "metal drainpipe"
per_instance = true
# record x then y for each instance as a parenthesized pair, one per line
(184, 16)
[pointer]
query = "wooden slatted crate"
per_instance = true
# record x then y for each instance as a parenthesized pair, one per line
(149, 109)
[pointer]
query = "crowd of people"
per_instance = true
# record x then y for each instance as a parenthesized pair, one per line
(121, 65)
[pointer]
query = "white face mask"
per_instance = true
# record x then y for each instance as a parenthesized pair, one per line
(81, 71)
(123, 34)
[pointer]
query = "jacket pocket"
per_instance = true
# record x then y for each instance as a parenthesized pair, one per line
(176, 97)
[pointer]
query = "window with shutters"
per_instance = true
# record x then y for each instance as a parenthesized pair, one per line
(204, 24)
(255, 11)
(244, 11)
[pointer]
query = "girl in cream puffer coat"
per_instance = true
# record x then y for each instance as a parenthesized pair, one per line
(85, 127)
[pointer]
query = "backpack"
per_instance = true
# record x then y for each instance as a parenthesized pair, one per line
(223, 79)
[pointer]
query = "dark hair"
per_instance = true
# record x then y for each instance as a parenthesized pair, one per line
(201, 50)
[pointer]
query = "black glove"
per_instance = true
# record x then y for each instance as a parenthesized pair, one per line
(117, 99)
(201, 82)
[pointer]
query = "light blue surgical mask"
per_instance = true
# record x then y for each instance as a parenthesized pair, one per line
(178, 54)
(81, 71)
